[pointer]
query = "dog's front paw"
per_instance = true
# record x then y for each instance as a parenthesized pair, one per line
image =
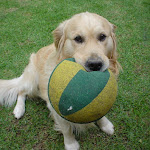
(19, 111)
(73, 146)
(108, 128)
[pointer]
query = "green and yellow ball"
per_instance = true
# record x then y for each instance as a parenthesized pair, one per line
(80, 96)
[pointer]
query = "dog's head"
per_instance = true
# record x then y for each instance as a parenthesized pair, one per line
(90, 39)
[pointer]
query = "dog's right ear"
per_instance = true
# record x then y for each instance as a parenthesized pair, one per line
(59, 35)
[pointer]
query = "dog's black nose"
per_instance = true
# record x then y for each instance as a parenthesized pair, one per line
(94, 65)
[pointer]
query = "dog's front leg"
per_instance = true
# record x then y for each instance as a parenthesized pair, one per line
(20, 106)
(70, 141)
(65, 128)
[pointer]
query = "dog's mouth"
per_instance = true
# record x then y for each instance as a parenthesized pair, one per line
(94, 64)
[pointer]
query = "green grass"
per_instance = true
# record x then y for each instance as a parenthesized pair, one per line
(26, 27)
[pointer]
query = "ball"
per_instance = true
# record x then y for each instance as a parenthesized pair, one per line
(80, 96)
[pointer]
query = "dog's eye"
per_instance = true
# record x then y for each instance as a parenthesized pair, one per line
(79, 39)
(102, 37)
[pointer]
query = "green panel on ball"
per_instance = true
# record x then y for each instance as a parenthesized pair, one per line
(99, 106)
(81, 90)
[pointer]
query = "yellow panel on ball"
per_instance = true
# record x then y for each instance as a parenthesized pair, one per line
(59, 79)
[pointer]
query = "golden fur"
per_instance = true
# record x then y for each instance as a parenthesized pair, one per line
(81, 37)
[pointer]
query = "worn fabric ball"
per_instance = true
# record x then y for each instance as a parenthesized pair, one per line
(80, 96)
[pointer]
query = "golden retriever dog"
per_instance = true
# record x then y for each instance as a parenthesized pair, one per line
(87, 37)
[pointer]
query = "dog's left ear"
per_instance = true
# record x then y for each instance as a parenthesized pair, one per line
(113, 27)
(114, 65)
(59, 35)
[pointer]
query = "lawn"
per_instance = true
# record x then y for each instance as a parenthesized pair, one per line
(26, 26)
